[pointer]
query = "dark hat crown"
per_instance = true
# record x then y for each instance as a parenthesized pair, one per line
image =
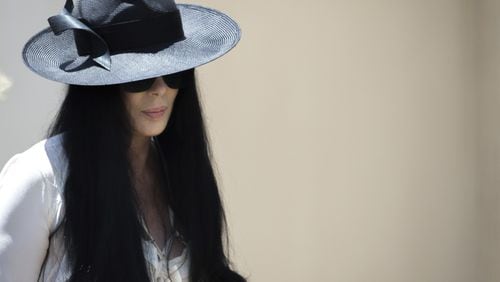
(102, 12)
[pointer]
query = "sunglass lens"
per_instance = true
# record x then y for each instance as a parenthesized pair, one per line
(173, 80)
(137, 86)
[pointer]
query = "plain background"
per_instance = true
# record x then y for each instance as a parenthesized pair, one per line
(355, 140)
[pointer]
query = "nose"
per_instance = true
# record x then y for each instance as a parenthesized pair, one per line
(159, 87)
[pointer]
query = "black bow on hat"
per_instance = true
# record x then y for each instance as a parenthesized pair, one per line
(119, 35)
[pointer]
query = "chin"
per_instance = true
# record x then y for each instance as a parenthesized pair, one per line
(152, 131)
(147, 128)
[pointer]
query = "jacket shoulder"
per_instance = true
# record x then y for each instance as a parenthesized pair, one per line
(37, 173)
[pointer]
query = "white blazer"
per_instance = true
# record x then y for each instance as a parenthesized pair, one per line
(31, 207)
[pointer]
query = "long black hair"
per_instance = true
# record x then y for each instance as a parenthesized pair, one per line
(102, 228)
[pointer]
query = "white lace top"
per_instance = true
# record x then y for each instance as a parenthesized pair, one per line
(31, 207)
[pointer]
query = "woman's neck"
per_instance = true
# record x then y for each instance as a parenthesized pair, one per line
(140, 155)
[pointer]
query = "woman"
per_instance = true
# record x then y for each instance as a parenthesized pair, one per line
(123, 188)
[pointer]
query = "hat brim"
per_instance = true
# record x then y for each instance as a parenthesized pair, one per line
(209, 35)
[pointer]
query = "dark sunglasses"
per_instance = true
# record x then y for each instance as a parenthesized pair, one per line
(173, 80)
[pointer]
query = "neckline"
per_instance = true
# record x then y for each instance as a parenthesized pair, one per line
(162, 253)
(174, 232)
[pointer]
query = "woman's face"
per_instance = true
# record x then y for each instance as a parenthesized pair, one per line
(150, 110)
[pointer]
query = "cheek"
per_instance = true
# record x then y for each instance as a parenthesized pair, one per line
(133, 109)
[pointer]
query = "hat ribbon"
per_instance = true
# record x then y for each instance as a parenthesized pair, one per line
(65, 21)
(163, 28)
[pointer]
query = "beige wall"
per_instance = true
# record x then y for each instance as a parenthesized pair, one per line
(345, 134)
(489, 82)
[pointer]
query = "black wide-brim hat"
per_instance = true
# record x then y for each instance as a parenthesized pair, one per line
(102, 42)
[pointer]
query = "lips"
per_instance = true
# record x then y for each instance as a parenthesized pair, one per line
(155, 113)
